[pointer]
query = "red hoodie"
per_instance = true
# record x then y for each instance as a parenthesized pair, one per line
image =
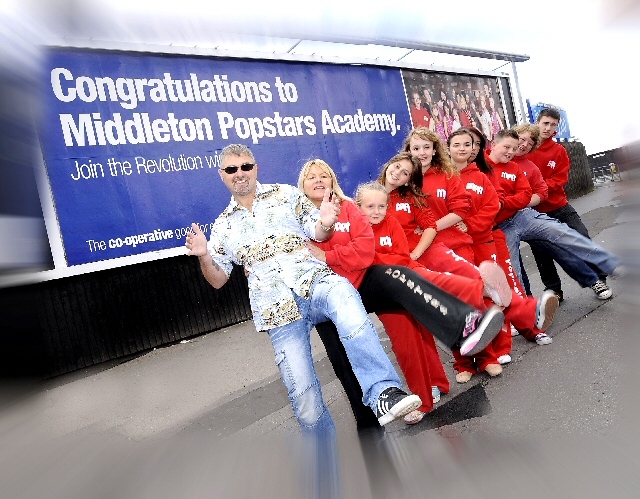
(484, 201)
(447, 195)
(410, 216)
(350, 250)
(531, 171)
(392, 247)
(553, 161)
(420, 117)
(517, 191)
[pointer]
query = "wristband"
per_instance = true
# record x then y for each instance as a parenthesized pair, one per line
(326, 229)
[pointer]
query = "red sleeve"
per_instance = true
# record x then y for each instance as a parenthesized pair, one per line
(397, 253)
(521, 196)
(538, 185)
(484, 217)
(458, 200)
(560, 174)
(424, 217)
(495, 182)
(358, 253)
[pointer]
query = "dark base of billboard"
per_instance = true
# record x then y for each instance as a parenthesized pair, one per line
(60, 326)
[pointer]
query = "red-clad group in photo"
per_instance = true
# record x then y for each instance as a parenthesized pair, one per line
(444, 110)
(444, 212)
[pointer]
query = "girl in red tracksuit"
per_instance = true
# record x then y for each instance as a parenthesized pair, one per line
(392, 249)
(488, 243)
(350, 252)
(485, 203)
(478, 224)
(400, 174)
(448, 199)
(409, 205)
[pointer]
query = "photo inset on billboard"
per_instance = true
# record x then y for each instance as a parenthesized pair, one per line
(445, 102)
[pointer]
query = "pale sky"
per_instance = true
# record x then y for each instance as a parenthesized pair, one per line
(582, 52)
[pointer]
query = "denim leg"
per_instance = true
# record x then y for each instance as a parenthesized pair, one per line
(568, 215)
(541, 226)
(334, 298)
(292, 346)
(575, 268)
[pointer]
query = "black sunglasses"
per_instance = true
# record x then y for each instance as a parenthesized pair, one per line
(230, 170)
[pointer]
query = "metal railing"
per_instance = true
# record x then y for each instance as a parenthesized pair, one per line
(605, 173)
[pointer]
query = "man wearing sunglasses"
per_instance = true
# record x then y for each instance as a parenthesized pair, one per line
(264, 229)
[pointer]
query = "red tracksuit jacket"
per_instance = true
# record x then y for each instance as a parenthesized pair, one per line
(484, 201)
(392, 247)
(553, 161)
(531, 171)
(410, 216)
(350, 250)
(517, 192)
(447, 195)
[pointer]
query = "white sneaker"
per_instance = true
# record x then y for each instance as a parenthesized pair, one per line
(504, 359)
(547, 307)
(514, 331)
(495, 283)
(602, 291)
(394, 403)
(543, 339)
(479, 330)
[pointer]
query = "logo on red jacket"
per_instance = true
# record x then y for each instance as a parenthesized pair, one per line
(386, 241)
(478, 189)
(509, 176)
(342, 227)
(551, 164)
(441, 193)
(403, 207)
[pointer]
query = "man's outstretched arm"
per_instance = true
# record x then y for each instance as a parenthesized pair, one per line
(197, 246)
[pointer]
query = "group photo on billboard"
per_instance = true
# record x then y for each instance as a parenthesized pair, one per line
(444, 102)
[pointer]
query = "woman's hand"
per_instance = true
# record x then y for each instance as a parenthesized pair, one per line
(329, 209)
(317, 252)
(462, 226)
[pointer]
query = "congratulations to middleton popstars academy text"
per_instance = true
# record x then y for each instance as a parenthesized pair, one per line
(129, 127)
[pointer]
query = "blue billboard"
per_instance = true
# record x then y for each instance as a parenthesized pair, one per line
(130, 141)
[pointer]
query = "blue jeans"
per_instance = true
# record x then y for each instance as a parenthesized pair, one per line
(548, 273)
(581, 272)
(332, 298)
(568, 247)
